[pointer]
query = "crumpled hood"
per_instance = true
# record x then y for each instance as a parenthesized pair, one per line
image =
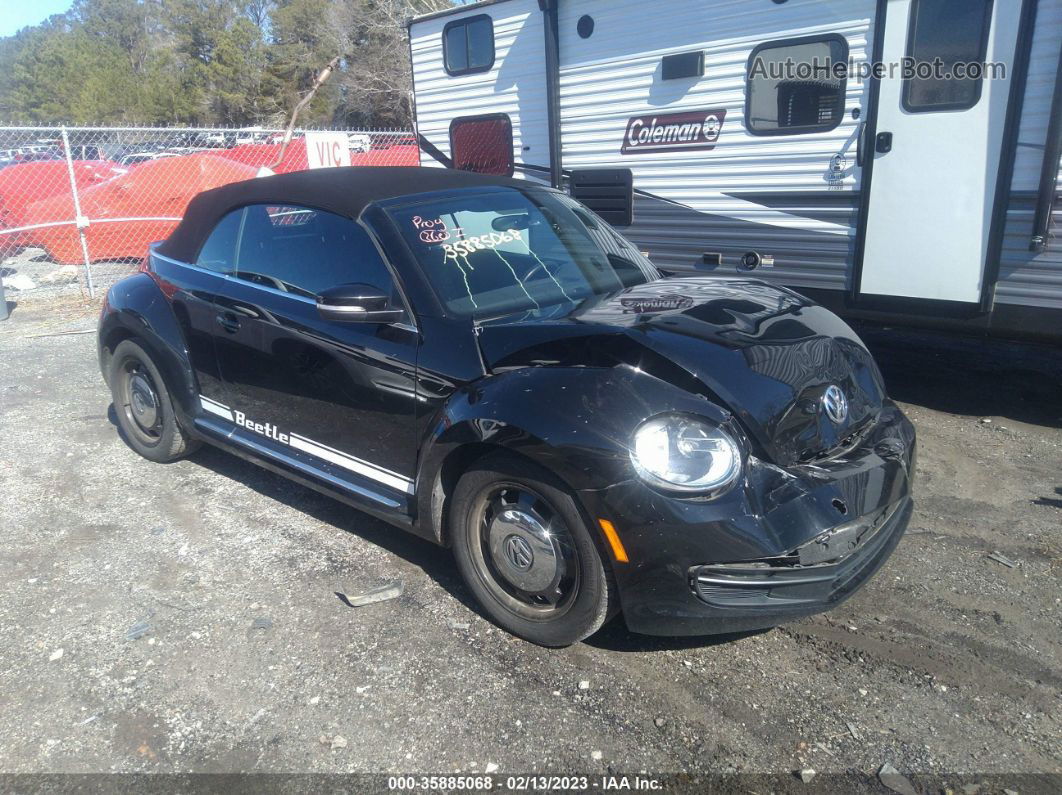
(765, 353)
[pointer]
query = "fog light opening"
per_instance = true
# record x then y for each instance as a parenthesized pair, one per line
(841, 507)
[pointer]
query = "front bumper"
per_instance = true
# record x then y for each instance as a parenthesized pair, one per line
(788, 544)
(784, 588)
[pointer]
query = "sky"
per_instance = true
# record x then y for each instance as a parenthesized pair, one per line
(16, 14)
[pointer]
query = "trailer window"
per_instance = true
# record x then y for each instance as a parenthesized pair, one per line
(483, 144)
(944, 35)
(796, 86)
(468, 45)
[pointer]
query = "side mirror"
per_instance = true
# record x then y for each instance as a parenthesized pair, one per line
(357, 303)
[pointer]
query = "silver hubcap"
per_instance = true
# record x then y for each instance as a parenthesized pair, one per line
(528, 554)
(140, 403)
(522, 550)
(143, 401)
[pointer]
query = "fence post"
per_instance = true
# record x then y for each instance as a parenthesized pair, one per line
(81, 221)
(3, 300)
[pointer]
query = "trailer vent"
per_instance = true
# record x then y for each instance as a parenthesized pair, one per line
(609, 192)
(483, 144)
(685, 64)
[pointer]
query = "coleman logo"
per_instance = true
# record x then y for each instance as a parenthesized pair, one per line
(673, 132)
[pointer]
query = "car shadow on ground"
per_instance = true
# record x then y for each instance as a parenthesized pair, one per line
(435, 561)
(615, 636)
(969, 376)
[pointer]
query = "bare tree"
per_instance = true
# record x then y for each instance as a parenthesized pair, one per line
(258, 11)
(320, 80)
(376, 80)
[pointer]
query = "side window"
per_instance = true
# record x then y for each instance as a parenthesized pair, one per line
(944, 34)
(304, 251)
(219, 251)
(468, 45)
(483, 144)
(796, 86)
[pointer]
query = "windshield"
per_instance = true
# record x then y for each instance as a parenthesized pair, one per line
(506, 251)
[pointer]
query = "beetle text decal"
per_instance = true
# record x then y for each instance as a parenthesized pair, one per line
(673, 132)
(263, 428)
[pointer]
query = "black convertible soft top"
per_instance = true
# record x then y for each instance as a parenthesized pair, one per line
(344, 191)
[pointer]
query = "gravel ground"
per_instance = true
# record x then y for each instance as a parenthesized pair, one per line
(184, 617)
(30, 277)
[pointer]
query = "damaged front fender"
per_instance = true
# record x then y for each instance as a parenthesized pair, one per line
(577, 422)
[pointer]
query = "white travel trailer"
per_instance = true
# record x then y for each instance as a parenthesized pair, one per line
(924, 198)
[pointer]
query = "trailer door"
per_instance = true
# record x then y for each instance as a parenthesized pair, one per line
(479, 81)
(937, 150)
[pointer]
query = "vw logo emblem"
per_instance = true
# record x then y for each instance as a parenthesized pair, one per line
(835, 404)
(518, 552)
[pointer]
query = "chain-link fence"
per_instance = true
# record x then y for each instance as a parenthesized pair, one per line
(79, 205)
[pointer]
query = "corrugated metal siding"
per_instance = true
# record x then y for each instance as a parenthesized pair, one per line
(1024, 278)
(767, 194)
(515, 85)
(615, 74)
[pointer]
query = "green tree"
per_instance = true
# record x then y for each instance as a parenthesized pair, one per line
(211, 62)
(236, 74)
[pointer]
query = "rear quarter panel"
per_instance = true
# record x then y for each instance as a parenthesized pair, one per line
(137, 308)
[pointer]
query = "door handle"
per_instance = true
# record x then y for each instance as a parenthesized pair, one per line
(229, 322)
(883, 143)
(860, 144)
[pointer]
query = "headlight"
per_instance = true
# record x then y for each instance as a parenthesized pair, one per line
(683, 454)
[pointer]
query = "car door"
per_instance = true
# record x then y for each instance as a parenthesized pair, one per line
(339, 395)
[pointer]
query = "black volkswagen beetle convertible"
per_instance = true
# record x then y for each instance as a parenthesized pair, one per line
(484, 362)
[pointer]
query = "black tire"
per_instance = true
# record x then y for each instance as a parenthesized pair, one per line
(503, 494)
(143, 406)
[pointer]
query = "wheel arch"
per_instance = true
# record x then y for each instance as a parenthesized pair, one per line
(108, 342)
(136, 309)
(458, 461)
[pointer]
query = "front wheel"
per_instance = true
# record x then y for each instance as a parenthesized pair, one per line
(523, 548)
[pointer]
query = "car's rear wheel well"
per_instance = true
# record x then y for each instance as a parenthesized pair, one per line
(113, 339)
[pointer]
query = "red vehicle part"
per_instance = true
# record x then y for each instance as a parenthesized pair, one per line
(24, 184)
(132, 210)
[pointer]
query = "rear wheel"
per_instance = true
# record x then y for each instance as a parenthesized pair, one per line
(143, 405)
(525, 551)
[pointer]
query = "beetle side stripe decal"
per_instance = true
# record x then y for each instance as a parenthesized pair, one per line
(353, 464)
(377, 467)
(215, 408)
(330, 454)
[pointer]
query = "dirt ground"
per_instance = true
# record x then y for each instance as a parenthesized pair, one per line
(184, 618)
(31, 277)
